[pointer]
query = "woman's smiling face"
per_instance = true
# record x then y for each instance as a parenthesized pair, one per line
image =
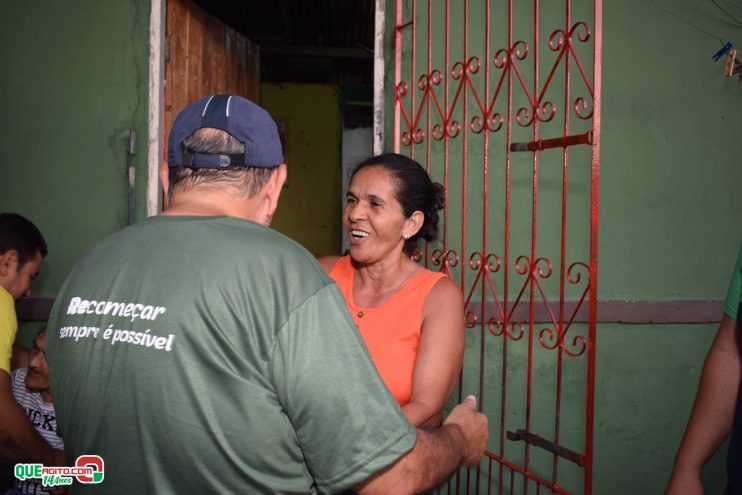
(373, 217)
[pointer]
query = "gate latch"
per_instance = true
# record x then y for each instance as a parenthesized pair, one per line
(545, 444)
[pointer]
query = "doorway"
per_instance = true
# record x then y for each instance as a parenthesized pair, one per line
(310, 64)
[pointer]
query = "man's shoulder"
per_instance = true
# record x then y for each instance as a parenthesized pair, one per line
(210, 235)
(254, 242)
(5, 298)
(224, 246)
(8, 321)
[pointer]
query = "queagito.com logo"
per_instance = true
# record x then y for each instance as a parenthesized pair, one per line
(87, 469)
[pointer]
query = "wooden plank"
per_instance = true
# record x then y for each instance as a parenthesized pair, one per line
(176, 65)
(194, 71)
(229, 66)
(217, 38)
(170, 19)
(233, 61)
(252, 70)
(206, 56)
(239, 65)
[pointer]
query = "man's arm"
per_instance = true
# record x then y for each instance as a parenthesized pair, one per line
(436, 454)
(713, 411)
(19, 441)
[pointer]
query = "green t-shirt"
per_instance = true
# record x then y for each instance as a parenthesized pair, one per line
(734, 294)
(213, 355)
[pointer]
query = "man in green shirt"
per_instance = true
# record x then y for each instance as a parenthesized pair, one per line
(202, 351)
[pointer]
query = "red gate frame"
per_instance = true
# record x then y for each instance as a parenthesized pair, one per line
(408, 132)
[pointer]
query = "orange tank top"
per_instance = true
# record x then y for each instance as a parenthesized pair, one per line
(391, 330)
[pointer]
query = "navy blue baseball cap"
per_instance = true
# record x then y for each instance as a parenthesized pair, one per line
(241, 118)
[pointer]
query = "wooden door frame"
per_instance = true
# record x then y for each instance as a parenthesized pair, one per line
(155, 105)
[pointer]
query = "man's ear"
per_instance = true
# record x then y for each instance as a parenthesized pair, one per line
(273, 191)
(276, 182)
(8, 262)
(165, 181)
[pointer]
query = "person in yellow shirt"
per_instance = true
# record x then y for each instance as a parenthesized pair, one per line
(22, 249)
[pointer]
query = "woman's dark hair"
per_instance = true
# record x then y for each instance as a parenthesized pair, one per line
(414, 191)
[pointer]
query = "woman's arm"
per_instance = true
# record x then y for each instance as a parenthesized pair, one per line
(439, 354)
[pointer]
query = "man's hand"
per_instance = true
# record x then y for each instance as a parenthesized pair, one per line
(473, 426)
(436, 454)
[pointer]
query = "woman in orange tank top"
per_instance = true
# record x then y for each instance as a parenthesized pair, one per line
(411, 318)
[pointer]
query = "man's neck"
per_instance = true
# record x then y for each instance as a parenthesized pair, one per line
(205, 204)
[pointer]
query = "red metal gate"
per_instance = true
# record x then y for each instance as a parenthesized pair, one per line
(518, 154)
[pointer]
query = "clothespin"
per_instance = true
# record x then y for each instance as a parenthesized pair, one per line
(731, 59)
(737, 69)
(724, 49)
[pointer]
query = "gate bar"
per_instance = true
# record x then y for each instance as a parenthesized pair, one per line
(514, 468)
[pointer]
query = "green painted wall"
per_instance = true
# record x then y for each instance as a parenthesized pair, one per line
(646, 382)
(74, 81)
(670, 208)
(669, 219)
(308, 211)
(670, 168)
